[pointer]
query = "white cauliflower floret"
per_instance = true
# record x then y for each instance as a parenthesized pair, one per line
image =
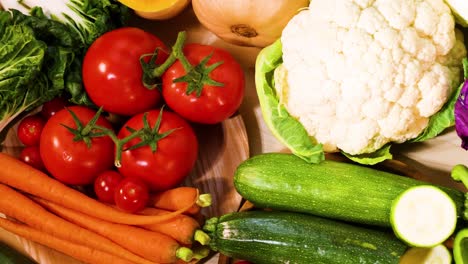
(361, 73)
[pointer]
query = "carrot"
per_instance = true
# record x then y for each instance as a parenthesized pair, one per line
(183, 228)
(151, 245)
(181, 197)
(20, 207)
(77, 251)
(20, 175)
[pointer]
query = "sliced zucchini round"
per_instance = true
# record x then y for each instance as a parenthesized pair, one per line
(423, 216)
(460, 247)
(434, 255)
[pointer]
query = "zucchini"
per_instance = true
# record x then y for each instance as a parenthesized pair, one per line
(331, 189)
(269, 237)
(460, 247)
(423, 216)
(9, 255)
(434, 255)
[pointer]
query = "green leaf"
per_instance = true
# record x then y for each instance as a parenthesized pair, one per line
(35, 60)
(86, 20)
(284, 127)
(372, 158)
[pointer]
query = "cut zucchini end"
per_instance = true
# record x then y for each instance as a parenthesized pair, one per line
(460, 247)
(423, 216)
(438, 254)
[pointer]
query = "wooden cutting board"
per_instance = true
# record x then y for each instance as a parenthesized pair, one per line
(222, 148)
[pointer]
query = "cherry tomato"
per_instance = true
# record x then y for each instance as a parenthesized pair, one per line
(112, 73)
(214, 103)
(173, 158)
(70, 159)
(30, 129)
(31, 155)
(51, 107)
(106, 184)
(131, 195)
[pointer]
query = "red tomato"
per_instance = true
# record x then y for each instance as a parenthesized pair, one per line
(112, 73)
(174, 157)
(215, 103)
(72, 161)
(51, 107)
(131, 195)
(106, 184)
(32, 156)
(30, 129)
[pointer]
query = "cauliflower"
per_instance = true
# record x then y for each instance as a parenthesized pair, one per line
(358, 74)
(460, 10)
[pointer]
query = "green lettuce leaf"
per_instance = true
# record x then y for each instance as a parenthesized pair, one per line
(86, 20)
(23, 83)
(284, 127)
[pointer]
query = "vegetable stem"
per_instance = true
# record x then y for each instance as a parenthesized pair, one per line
(184, 253)
(197, 76)
(204, 200)
(149, 137)
(210, 225)
(460, 173)
(202, 237)
(201, 252)
(176, 54)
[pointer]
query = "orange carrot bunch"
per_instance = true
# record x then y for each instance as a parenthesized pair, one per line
(42, 209)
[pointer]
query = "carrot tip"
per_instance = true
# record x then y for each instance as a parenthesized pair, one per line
(204, 200)
(184, 253)
(202, 237)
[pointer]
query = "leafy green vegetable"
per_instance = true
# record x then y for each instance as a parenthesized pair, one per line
(86, 19)
(41, 57)
(286, 128)
(23, 84)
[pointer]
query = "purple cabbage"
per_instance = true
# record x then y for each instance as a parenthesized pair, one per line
(461, 115)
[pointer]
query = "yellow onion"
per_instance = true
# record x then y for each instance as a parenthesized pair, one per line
(157, 9)
(247, 22)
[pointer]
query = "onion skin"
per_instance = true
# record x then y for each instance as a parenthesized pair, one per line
(255, 23)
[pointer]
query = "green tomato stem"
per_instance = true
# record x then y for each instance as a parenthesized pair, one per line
(176, 54)
(149, 137)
